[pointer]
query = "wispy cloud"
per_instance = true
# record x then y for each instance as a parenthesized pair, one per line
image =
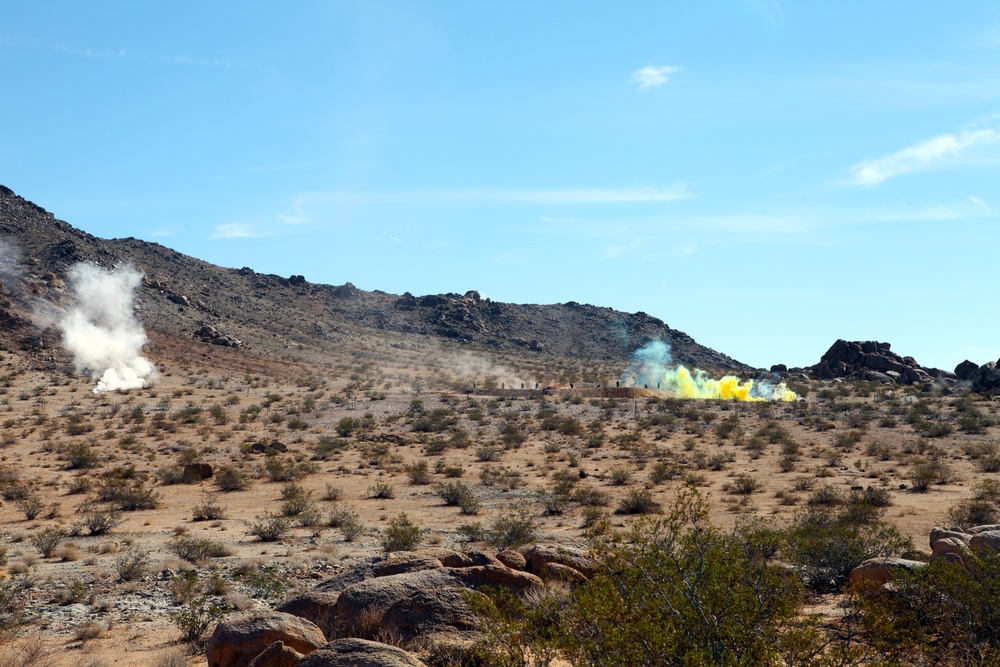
(647, 78)
(123, 54)
(238, 231)
(623, 234)
(973, 208)
(301, 205)
(924, 155)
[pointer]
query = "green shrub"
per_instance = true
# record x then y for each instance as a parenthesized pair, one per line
(677, 591)
(198, 550)
(381, 490)
(268, 527)
(228, 478)
(132, 563)
(638, 501)
(924, 473)
(266, 582)
(208, 510)
(80, 456)
(745, 485)
(194, 618)
(941, 614)
(128, 496)
(510, 529)
(825, 545)
(47, 540)
(663, 471)
(973, 512)
(418, 472)
(99, 520)
(401, 535)
(30, 506)
(453, 493)
(619, 475)
(347, 521)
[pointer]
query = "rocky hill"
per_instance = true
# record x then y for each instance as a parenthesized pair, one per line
(875, 361)
(266, 314)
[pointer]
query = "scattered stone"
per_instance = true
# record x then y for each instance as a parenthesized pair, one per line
(315, 606)
(560, 572)
(577, 559)
(360, 653)
(985, 538)
(238, 640)
(277, 655)
(441, 610)
(212, 336)
(512, 559)
(876, 572)
(196, 472)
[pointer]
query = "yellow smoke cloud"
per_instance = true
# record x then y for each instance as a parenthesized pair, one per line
(726, 388)
(652, 366)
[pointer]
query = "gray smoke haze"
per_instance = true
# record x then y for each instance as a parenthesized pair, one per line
(101, 332)
(10, 264)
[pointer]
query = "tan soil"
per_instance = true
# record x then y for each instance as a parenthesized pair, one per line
(36, 406)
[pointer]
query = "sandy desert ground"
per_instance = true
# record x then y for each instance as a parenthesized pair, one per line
(322, 447)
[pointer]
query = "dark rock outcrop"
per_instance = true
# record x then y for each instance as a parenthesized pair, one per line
(983, 379)
(875, 362)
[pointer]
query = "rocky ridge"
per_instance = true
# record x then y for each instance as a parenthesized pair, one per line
(241, 308)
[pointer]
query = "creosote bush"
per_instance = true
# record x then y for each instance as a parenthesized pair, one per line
(826, 544)
(198, 550)
(401, 535)
(942, 614)
(672, 590)
(269, 527)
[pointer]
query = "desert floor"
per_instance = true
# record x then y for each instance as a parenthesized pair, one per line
(564, 458)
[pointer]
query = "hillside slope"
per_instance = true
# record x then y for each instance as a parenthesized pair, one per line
(270, 314)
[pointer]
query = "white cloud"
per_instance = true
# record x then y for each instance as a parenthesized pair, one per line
(648, 78)
(301, 206)
(924, 155)
(975, 208)
(237, 231)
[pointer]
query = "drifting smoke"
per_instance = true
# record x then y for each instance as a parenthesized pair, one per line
(652, 366)
(10, 261)
(101, 333)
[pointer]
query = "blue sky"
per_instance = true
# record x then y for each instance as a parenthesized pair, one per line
(765, 176)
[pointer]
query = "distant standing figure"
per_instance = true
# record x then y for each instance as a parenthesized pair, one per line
(618, 383)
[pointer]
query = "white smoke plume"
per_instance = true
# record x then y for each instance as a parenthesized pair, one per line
(101, 332)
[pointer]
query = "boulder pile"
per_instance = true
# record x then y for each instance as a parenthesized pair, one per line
(212, 336)
(419, 600)
(983, 378)
(875, 362)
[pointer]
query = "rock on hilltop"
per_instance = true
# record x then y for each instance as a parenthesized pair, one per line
(267, 314)
(985, 378)
(876, 362)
